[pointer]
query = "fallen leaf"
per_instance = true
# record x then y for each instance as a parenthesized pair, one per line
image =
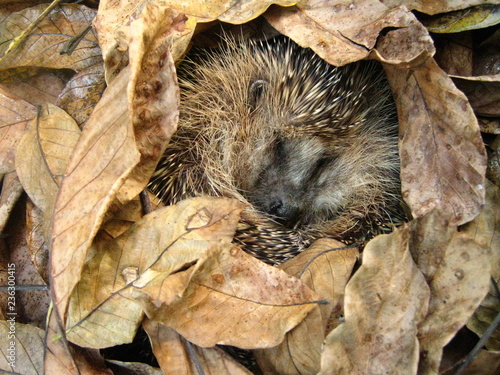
(153, 93)
(21, 347)
(43, 45)
(230, 296)
(10, 193)
(43, 153)
(63, 358)
(346, 32)
(443, 160)
(384, 303)
(104, 155)
(485, 230)
(483, 93)
(14, 116)
(325, 267)
(105, 310)
(434, 7)
(475, 17)
(457, 270)
(113, 26)
(82, 92)
(177, 356)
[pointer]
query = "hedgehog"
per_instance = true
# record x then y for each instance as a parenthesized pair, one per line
(312, 148)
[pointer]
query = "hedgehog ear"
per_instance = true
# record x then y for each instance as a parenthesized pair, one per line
(255, 92)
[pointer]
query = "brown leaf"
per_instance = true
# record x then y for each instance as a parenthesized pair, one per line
(104, 309)
(14, 116)
(434, 7)
(347, 32)
(483, 93)
(485, 230)
(21, 347)
(43, 153)
(63, 358)
(457, 270)
(175, 354)
(41, 88)
(443, 160)
(31, 305)
(114, 31)
(234, 299)
(478, 17)
(103, 157)
(384, 302)
(82, 93)
(43, 46)
(153, 93)
(325, 267)
(36, 240)
(10, 193)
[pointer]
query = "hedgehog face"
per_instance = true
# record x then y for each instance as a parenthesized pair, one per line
(300, 183)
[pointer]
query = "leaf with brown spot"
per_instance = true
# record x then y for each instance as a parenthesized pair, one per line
(153, 93)
(457, 270)
(443, 160)
(103, 157)
(384, 302)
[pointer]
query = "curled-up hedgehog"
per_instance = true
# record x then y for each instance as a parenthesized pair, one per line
(312, 147)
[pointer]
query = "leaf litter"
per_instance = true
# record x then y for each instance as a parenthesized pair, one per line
(392, 308)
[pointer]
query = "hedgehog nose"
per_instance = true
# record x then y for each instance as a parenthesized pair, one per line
(284, 212)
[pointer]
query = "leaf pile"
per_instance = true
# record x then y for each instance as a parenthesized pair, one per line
(88, 102)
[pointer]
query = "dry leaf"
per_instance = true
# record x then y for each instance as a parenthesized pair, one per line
(103, 157)
(455, 53)
(175, 354)
(457, 270)
(485, 230)
(113, 26)
(434, 7)
(384, 302)
(235, 299)
(478, 17)
(153, 93)
(493, 171)
(483, 93)
(325, 267)
(443, 159)
(62, 358)
(42, 155)
(104, 309)
(82, 93)
(39, 89)
(31, 305)
(11, 191)
(21, 347)
(35, 239)
(14, 116)
(346, 32)
(43, 46)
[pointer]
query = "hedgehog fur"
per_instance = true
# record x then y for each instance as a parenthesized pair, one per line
(311, 147)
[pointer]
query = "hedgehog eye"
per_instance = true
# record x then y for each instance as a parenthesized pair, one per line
(255, 92)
